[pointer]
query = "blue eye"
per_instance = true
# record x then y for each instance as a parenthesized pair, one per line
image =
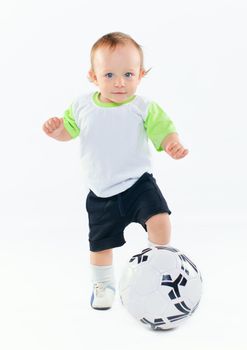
(108, 75)
(128, 74)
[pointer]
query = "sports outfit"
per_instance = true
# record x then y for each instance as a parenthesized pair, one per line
(116, 162)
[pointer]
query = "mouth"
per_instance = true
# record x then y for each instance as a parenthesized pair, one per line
(119, 93)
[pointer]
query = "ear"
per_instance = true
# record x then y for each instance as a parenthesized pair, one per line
(92, 77)
(142, 73)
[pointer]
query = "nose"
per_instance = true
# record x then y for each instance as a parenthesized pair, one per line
(119, 82)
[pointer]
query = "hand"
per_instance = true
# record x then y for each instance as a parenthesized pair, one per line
(53, 127)
(176, 150)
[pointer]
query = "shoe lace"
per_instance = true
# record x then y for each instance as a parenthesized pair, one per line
(99, 288)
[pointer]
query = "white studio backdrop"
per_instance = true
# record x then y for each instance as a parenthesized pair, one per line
(198, 54)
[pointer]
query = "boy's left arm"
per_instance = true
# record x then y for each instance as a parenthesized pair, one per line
(171, 145)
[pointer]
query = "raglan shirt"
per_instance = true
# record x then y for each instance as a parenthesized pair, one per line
(114, 138)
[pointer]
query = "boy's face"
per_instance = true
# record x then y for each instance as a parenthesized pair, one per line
(117, 72)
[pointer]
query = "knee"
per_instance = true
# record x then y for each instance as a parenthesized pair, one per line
(159, 229)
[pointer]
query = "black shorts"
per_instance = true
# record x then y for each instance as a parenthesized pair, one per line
(109, 216)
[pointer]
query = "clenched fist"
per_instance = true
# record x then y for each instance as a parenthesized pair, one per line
(53, 126)
(176, 150)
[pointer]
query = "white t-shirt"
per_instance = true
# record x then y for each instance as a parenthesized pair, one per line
(114, 139)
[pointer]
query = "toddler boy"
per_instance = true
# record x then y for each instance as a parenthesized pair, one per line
(114, 125)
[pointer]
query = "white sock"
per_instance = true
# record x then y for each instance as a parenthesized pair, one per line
(151, 245)
(103, 273)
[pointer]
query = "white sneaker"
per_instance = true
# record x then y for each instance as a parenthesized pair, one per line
(102, 296)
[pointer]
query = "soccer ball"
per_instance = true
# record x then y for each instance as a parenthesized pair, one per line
(161, 287)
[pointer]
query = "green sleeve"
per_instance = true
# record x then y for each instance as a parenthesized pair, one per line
(70, 124)
(158, 125)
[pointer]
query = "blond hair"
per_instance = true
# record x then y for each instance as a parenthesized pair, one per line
(112, 40)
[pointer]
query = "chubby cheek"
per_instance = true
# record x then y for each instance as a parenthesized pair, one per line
(104, 85)
(133, 85)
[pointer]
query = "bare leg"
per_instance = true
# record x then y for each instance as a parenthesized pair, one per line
(159, 229)
(101, 258)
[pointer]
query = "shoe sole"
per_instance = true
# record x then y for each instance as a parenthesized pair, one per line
(100, 308)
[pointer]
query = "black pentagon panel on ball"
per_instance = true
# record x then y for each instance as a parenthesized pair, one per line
(141, 257)
(180, 280)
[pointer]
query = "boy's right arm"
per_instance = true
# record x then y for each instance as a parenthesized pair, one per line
(54, 127)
